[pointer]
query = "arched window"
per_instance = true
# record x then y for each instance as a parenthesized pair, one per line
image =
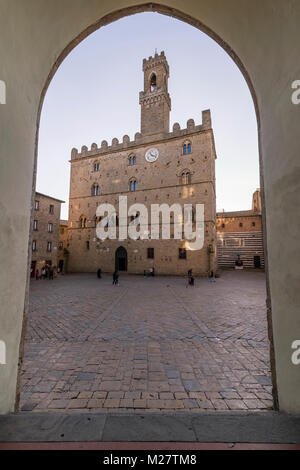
(95, 189)
(187, 148)
(96, 166)
(133, 185)
(153, 82)
(82, 222)
(132, 160)
(186, 177)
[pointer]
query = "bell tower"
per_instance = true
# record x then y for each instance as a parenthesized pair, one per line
(155, 100)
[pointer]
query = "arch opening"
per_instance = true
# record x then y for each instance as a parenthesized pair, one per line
(121, 259)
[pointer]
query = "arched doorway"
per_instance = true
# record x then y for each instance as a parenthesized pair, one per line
(196, 23)
(121, 259)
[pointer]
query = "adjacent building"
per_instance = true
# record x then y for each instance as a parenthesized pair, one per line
(240, 236)
(45, 231)
(157, 167)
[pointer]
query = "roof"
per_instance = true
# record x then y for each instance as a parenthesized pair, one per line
(49, 197)
(250, 213)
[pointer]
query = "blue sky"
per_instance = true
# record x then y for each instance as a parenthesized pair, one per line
(94, 95)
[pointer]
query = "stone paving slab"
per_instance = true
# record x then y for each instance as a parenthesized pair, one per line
(226, 427)
(149, 344)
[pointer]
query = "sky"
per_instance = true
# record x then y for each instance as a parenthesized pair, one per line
(94, 96)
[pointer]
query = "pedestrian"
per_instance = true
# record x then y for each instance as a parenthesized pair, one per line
(51, 273)
(191, 280)
(212, 277)
(116, 278)
(43, 272)
(99, 272)
(37, 274)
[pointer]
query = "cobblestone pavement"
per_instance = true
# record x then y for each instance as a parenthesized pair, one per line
(147, 344)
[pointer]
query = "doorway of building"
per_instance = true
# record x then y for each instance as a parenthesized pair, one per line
(121, 259)
(257, 263)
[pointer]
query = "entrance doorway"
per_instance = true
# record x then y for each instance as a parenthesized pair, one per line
(121, 259)
(257, 263)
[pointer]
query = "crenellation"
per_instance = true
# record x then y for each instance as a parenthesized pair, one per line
(144, 139)
(126, 140)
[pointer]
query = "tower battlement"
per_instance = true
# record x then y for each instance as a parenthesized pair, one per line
(140, 139)
(157, 59)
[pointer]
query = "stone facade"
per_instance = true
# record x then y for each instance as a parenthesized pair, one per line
(183, 173)
(45, 231)
(240, 234)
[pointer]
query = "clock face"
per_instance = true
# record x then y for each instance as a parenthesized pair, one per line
(151, 155)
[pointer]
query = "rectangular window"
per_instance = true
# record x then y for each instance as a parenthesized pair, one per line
(36, 205)
(50, 228)
(33, 245)
(49, 246)
(60, 245)
(182, 253)
(150, 253)
(51, 209)
(35, 225)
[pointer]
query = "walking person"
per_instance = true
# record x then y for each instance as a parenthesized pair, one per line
(191, 280)
(116, 278)
(99, 272)
(43, 272)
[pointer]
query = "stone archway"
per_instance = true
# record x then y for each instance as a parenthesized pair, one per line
(121, 261)
(247, 38)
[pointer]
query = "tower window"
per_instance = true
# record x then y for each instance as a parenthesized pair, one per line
(182, 253)
(133, 185)
(82, 222)
(186, 177)
(33, 245)
(49, 246)
(132, 160)
(150, 253)
(96, 166)
(95, 190)
(153, 82)
(50, 227)
(51, 209)
(35, 225)
(36, 205)
(187, 148)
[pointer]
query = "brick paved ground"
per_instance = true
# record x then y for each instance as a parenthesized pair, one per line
(149, 344)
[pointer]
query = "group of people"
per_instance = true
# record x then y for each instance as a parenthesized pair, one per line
(191, 279)
(115, 276)
(47, 272)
